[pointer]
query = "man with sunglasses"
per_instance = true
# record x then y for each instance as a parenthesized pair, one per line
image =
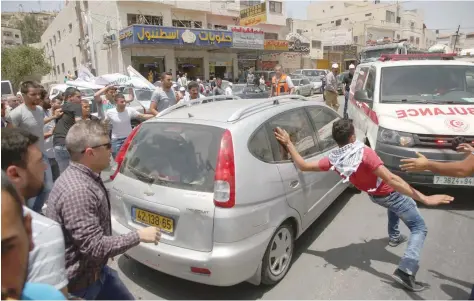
(80, 203)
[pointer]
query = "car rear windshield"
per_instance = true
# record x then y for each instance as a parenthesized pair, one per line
(175, 155)
(296, 82)
(442, 84)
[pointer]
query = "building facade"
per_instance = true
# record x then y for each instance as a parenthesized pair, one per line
(11, 37)
(108, 36)
(371, 21)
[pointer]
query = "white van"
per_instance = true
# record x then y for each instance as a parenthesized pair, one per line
(403, 107)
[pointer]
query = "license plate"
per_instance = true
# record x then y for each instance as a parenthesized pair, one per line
(152, 219)
(453, 181)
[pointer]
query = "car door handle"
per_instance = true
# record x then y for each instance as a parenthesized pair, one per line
(294, 184)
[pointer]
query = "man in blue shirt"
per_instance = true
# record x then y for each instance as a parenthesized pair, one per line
(17, 242)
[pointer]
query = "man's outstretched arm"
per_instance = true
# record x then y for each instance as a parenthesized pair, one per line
(283, 137)
(464, 168)
(399, 185)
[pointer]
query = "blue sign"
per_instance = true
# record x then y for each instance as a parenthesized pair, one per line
(160, 35)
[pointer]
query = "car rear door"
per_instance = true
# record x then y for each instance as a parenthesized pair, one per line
(167, 179)
(355, 110)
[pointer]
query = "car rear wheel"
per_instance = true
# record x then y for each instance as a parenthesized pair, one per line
(277, 258)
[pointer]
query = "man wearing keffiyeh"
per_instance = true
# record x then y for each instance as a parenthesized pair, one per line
(360, 165)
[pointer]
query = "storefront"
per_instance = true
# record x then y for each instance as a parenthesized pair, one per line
(149, 64)
(187, 50)
(249, 44)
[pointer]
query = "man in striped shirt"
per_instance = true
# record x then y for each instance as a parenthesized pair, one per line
(22, 163)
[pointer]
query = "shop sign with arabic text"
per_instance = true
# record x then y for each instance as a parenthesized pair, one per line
(247, 37)
(160, 35)
(253, 15)
(280, 45)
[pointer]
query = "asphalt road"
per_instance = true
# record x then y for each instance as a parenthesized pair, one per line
(344, 255)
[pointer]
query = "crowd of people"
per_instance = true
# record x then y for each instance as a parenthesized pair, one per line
(55, 150)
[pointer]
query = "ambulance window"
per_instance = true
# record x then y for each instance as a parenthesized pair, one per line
(370, 85)
(362, 75)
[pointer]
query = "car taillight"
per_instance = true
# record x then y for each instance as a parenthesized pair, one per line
(123, 151)
(224, 180)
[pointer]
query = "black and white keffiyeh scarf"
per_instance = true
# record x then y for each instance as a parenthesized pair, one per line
(346, 161)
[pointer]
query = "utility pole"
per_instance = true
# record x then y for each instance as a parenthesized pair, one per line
(456, 39)
(84, 58)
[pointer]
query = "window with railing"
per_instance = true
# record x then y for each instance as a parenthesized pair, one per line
(316, 44)
(220, 27)
(275, 7)
(143, 19)
(390, 16)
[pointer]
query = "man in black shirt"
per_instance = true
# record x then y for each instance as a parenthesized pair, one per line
(347, 87)
(72, 112)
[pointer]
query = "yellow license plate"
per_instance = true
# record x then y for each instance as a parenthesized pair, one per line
(153, 219)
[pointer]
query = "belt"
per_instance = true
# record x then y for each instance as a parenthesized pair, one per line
(383, 196)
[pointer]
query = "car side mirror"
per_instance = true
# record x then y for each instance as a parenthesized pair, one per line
(362, 96)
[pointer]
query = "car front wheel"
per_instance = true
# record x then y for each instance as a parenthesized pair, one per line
(277, 258)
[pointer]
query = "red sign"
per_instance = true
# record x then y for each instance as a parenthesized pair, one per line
(246, 30)
(447, 111)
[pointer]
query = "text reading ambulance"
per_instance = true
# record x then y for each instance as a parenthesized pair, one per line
(403, 104)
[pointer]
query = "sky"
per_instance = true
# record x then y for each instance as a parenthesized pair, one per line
(443, 15)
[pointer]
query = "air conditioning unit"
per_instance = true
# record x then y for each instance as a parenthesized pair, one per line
(109, 39)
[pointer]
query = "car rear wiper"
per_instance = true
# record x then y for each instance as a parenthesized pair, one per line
(142, 176)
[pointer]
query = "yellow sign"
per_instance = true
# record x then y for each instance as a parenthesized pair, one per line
(276, 45)
(253, 15)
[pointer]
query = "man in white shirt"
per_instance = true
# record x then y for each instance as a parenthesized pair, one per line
(120, 118)
(193, 88)
(228, 90)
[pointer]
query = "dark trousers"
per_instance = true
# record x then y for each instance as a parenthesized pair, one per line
(54, 168)
(108, 287)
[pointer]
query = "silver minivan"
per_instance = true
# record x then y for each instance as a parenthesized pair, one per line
(225, 194)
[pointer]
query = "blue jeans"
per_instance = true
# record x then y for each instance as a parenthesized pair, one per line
(116, 145)
(402, 207)
(346, 99)
(108, 287)
(36, 203)
(62, 157)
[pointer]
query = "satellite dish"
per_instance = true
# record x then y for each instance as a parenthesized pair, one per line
(107, 26)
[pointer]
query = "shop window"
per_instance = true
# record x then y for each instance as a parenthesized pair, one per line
(143, 19)
(182, 23)
(275, 7)
(271, 36)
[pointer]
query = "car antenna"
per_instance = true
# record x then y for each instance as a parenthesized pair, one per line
(190, 115)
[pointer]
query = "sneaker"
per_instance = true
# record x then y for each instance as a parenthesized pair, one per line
(407, 281)
(397, 241)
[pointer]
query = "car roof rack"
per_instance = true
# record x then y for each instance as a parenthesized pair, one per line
(417, 56)
(196, 102)
(268, 103)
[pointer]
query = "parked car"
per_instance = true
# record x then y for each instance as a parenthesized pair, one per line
(7, 88)
(303, 86)
(316, 77)
(267, 76)
(250, 91)
(227, 198)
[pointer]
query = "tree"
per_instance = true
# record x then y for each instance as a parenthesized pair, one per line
(23, 63)
(31, 29)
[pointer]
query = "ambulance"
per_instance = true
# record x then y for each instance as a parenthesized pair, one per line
(415, 103)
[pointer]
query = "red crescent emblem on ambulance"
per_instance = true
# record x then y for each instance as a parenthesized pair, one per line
(457, 125)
